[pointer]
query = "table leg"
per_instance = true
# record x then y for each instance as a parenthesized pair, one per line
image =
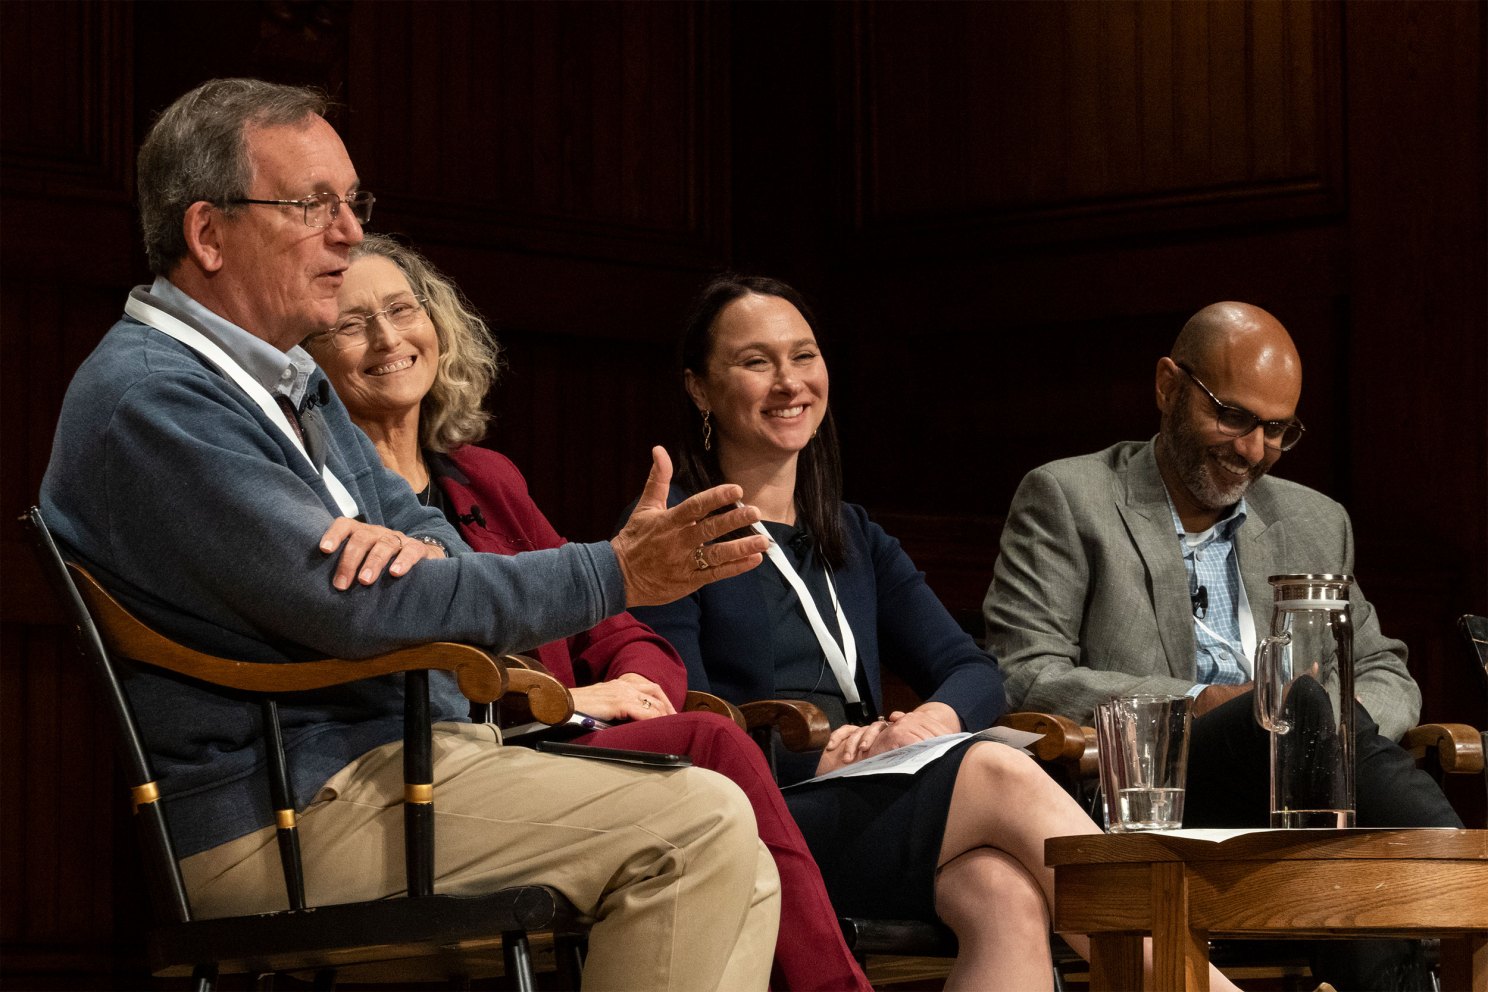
(1464, 963)
(1180, 954)
(1115, 962)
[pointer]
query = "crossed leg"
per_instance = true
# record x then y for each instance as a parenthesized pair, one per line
(993, 887)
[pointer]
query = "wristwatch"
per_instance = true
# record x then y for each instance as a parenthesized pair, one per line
(433, 542)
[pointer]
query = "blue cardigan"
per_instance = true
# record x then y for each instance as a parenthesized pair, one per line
(171, 485)
(895, 618)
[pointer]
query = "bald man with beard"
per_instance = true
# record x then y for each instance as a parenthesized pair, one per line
(1143, 569)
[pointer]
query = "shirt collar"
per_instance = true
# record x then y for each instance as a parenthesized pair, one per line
(281, 372)
(1224, 528)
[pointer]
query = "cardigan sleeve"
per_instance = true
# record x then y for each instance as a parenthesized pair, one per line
(209, 526)
(920, 640)
(615, 646)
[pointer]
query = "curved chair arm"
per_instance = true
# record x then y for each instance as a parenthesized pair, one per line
(705, 702)
(547, 699)
(1065, 741)
(802, 725)
(1459, 748)
(481, 677)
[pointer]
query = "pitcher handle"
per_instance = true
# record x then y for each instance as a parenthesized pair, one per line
(1270, 691)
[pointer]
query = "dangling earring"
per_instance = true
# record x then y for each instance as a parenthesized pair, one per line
(707, 431)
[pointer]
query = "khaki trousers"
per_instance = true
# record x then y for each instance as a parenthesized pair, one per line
(667, 861)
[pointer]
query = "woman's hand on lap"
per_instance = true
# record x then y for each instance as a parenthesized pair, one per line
(629, 697)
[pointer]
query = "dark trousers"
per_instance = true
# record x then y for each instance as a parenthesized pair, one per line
(1229, 770)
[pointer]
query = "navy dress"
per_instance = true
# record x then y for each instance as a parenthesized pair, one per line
(876, 838)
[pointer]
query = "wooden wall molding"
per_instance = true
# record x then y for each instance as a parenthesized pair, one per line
(68, 135)
(591, 130)
(1164, 117)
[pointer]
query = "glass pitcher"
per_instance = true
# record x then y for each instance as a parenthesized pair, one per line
(1304, 696)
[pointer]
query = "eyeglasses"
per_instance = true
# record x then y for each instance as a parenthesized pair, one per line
(352, 329)
(1236, 421)
(322, 209)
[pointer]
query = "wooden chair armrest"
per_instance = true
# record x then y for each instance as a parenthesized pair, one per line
(1065, 742)
(481, 677)
(533, 694)
(802, 725)
(1459, 748)
(706, 702)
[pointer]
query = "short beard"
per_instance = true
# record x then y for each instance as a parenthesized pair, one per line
(1189, 456)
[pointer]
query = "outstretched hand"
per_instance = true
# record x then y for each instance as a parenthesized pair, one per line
(664, 553)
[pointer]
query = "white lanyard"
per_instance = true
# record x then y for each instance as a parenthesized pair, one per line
(163, 322)
(843, 659)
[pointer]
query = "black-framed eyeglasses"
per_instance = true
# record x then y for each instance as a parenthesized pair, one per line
(322, 209)
(352, 329)
(1236, 421)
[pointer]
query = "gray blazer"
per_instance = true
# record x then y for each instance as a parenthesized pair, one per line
(1089, 597)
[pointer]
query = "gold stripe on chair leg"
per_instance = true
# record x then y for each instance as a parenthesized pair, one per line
(143, 795)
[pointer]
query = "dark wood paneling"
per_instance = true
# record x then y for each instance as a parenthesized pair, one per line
(1417, 433)
(67, 133)
(1035, 122)
(588, 129)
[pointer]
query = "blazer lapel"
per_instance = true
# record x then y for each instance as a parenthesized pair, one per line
(1259, 545)
(1150, 524)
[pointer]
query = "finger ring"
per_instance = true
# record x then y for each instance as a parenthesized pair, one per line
(697, 557)
(646, 704)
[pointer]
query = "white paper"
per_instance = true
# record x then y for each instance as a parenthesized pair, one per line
(911, 758)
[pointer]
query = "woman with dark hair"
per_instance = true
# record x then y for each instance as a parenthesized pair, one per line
(412, 361)
(961, 840)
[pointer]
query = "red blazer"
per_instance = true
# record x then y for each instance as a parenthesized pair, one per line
(496, 514)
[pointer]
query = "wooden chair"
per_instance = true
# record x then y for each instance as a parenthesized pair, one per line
(435, 937)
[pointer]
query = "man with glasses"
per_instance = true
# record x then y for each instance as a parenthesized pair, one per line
(1142, 569)
(201, 458)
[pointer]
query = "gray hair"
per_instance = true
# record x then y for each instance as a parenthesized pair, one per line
(198, 150)
(452, 411)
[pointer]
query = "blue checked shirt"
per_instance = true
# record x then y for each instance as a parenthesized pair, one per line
(1209, 559)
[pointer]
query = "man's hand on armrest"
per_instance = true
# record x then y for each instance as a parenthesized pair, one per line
(1215, 695)
(367, 549)
(664, 554)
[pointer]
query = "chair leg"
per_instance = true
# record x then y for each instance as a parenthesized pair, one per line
(204, 976)
(568, 951)
(263, 982)
(517, 954)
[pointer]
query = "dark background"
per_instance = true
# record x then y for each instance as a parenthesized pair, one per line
(1003, 211)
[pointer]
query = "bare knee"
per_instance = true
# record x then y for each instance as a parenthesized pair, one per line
(986, 888)
(1006, 770)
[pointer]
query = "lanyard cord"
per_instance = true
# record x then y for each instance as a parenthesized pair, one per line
(204, 347)
(842, 659)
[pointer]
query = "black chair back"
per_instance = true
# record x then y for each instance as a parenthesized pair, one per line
(422, 927)
(167, 892)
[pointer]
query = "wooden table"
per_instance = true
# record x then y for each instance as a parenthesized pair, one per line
(1302, 883)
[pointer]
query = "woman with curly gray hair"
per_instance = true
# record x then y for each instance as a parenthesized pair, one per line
(412, 361)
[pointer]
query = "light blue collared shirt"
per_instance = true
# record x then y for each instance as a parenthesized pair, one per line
(1212, 566)
(284, 373)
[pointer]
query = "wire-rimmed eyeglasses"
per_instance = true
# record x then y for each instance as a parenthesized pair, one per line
(352, 329)
(321, 209)
(1236, 421)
